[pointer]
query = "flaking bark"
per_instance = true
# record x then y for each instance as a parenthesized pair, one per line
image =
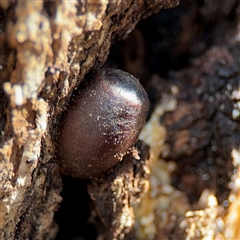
(46, 50)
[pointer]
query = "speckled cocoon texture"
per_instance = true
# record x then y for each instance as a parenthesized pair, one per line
(102, 121)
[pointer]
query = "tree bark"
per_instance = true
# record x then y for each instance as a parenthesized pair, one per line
(47, 48)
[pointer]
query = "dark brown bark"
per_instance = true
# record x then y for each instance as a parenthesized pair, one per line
(187, 59)
(46, 50)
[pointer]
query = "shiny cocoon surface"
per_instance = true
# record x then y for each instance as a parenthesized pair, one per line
(102, 121)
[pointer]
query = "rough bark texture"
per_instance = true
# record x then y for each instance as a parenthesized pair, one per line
(46, 50)
(204, 129)
(187, 59)
(115, 197)
(190, 68)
